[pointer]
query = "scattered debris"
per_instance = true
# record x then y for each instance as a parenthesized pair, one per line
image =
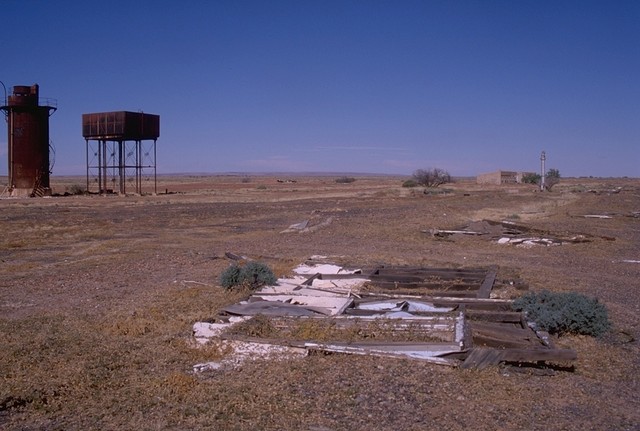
(613, 191)
(307, 226)
(440, 232)
(234, 256)
(297, 226)
(187, 282)
(506, 232)
(439, 315)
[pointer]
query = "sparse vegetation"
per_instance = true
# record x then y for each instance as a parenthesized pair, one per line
(434, 191)
(345, 180)
(97, 308)
(432, 177)
(410, 183)
(551, 178)
(565, 313)
(252, 274)
(75, 189)
(230, 277)
(531, 179)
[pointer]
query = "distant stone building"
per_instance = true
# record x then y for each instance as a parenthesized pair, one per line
(502, 177)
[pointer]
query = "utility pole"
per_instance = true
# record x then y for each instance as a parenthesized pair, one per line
(543, 158)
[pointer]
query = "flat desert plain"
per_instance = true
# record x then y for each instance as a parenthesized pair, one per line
(98, 295)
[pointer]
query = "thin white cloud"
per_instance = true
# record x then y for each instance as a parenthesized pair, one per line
(355, 148)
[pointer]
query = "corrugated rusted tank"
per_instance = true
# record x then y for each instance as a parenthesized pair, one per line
(120, 126)
(28, 127)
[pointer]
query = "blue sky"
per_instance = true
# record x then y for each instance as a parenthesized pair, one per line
(341, 86)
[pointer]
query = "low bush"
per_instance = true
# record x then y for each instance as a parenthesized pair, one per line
(531, 178)
(432, 177)
(345, 180)
(252, 274)
(410, 183)
(230, 277)
(565, 313)
(75, 189)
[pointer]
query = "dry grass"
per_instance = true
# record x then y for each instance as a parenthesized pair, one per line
(97, 302)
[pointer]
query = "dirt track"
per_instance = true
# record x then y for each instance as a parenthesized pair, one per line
(96, 306)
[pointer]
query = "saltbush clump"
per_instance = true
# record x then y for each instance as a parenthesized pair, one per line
(252, 274)
(565, 313)
(230, 277)
(345, 180)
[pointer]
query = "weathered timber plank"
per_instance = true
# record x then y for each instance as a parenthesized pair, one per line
(409, 268)
(472, 303)
(494, 316)
(408, 284)
(481, 358)
(503, 335)
(533, 355)
(474, 274)
(483, 340)
(508, 329)
(428, 277)
(487, 284)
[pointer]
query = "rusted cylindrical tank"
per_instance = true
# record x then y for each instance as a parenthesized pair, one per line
(28, 128)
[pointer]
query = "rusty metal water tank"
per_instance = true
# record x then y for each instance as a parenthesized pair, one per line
(28, 130)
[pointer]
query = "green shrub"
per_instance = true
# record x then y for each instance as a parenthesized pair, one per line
(230, 277)
(531, 178)
(565, 313)
(253, 274)
(410, 183)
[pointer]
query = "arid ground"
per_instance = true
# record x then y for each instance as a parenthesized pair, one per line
(98, 295)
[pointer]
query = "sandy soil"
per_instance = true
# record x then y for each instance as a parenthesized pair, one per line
(98, 295)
